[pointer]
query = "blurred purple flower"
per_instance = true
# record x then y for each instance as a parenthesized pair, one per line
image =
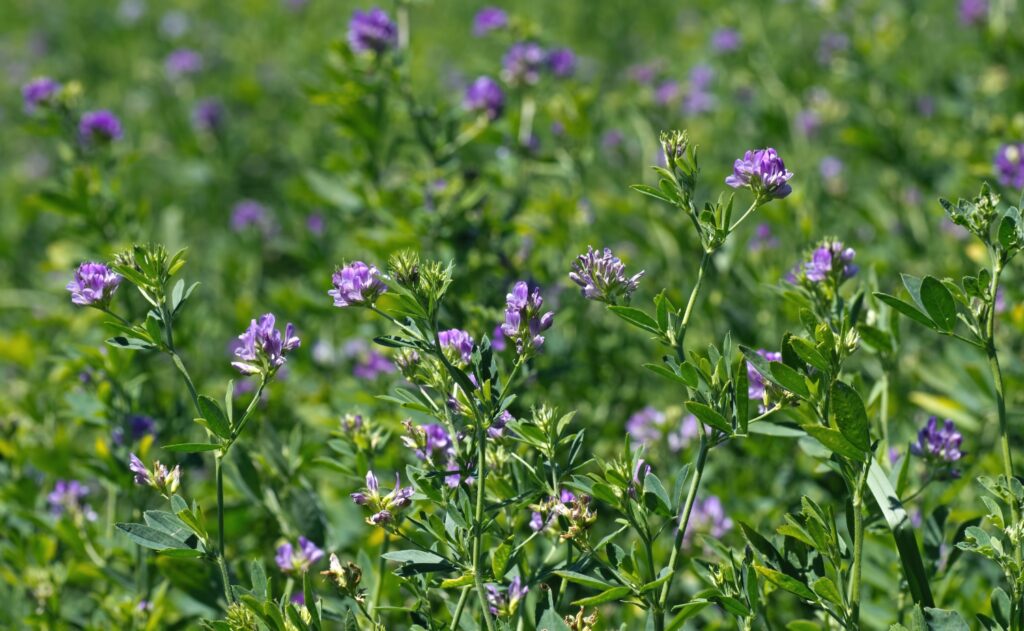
(1009, 165)
(708, 517)
(489, 19)
(830, 167)
(297, 560)
(67, 496)
(208, 115)
(611, 139)
(38, 92)
(522, 63)
(562, 62)
(484, 95)
(755, 381)
(182, 63)
(249, 213)
(315, 223)
(763, 239)
(99, 126)
(372, 30)
(725, 40)
(667, 92)
(808, 122)
(831, 44)
(373, 366)
(973, 12)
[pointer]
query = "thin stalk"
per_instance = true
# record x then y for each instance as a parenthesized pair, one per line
(681, 337)
(463, 597)
(221, 561)
(691, 496)
(381, 570)
(757, 204)
(478, 521)
(853, 595)
(997, 380)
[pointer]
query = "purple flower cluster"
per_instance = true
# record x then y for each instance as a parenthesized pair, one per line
(972, 12)
(139, 426)
(725, 40)
(262, 348)
(699, 98)
(485, 96)
(208, 116)
(160, 478)
(373, 365)
(504, 603)
(39, 92)
(708, 517)
(93, 285)
(602, 277)
(763, 239)
(356, 284)
(457, 342)
(763, 172)
(182, 63)
(523, 320)
(428, 440)
(297, 559)
(383, 508)
(831, 258)
(372, 30)
(1009, 164)
(99, 126)
(67, 496)
(755, 380)
(524, 62)
(489, 19)
(249, 213)
(938, 443)
(651, 426)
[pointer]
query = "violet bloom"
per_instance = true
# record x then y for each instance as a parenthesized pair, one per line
(373, 366)
(208, 116)
(602, 277)
(356, 285)
(701, 76)
(646, 426)
(498, 339)
(562, 62)
(725, 40)
(612, 139)
(682, 437)
(182, 63)
(763, 172)
(497, 427)
(504, 604)
(383, 508)
(523, 62)
(99, 126)
(316, 223)
(457, 342)
(372, 30)
(297, 560)
(937, 443)
(973, 12)
(755, 381)
(808, 122)
(708, 517)
(67, 496)
(249, 213)
(262, 348)
(484, 95)
(489, 19)
(1009, 164)
(831, 257)
(523, 320)
(93, 285)
(166, 481)
(139, 426)
(667, 92)
(763, 239)
(831, 167)
(830, 45)
(39, 92)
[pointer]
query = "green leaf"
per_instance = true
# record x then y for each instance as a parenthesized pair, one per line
(741, 398)
(168, 523)
(458, 581)
(832, 439)
(413, 556)
(906, 309)
(939, 303)
(499, 560)
(214, 416)
(131, 343)
(551, 621)
(667, 373)
(258, 577)
(583, 579)
(709, 416)
(636, 317)
(789, 379)
(902, 531)
(787, 583)
(650, 191)
(809, 354)
(850, 417)
(653, 486)
(944, 620)
(149, 537)
(615, 593)
(827, 590)
(192, 447)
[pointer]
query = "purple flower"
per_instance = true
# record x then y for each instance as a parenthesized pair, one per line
(808, 122)
(828, 258)
(755, 381)
(356, 284)
(562, 62)
(372, 30)
(708, 517)
(646, 425)
(642, 73)
(538, 522)
(484, 95)
(262, 348)
(725, 40)
(382, 508)
(763, 239)
(315, 223)
(523, 320)
(697, 101)
(182, 63)
(667, 92)
(497, 428)
(1009, 164)
(831, 167)
(973, 11)
(504, 604)
(248, 213)
(136, 466)
(611, 139)
(373, 366)
(139, 426)
(297, 560)
(67, 496)
(160, 478)
(763, 172)
(208, 115)
(682, 437)
(99, 126)
(940, 444)
(523, 62)
(458, 342)
(489, 19)
(93, 285)
(831, 44)
(39, 92)
(602, 277)
(498, 339)
(701, 76)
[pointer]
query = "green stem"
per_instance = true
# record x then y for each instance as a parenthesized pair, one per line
(381, 570)
(681, 336)
(997, 380)
(221, 561)
(478, 524)
(691, 496)
(245, 416)
(463, 597)
(858, 549)
(757, 204)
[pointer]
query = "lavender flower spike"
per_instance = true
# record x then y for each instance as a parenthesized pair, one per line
(941, 444)
(39, 92)
(1009, 165)
(602, 277)
(489, 19)
(523, 320)
(356, 285)
(297, 560)
(99, 126)
(372, 30)
(93, 285)
(262, 348)
(763, 172)
(484, 95)
(458, 343)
